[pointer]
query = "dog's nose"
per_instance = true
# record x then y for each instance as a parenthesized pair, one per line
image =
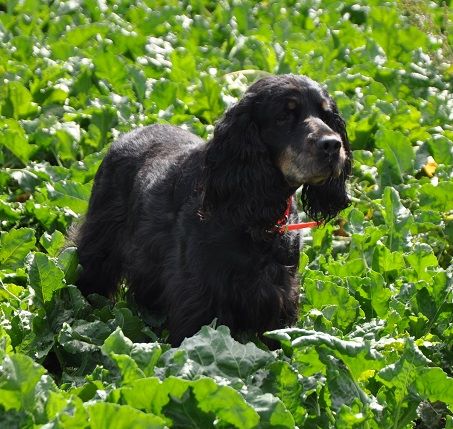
(329, 144)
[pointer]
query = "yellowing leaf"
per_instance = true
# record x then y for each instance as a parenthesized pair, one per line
(430, 167)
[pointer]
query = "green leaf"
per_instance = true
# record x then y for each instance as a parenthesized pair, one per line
(420, 259)
(183, 400)
(441, 149)
(437, 197)
(146, 355)
(219, 354)
(66, 411)
(145, 394)
(117, 343)
(398, 156)
(13, 137)
(83, 336)
(16, 101)
(18, 378)
(387, 262)
(45, 276)
(339, 305)
(379, 294)
(434, 385)
(110, 67)
(398, 219)
(225, 403)
(271, 410)
(129, 369)
(14, 247)
(342, 387)
(283, 381)
(68, 261)
(402, 374)
(303, 337)
(52, 243)
(183, 410)
(69, 194)
(372, 347)
(104, 415)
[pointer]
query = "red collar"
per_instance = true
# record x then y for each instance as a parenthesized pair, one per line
(281, 227)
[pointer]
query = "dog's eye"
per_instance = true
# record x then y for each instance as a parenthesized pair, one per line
(288, 113)
(325, 105)
(291, 105)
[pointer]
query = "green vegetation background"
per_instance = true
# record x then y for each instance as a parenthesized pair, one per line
(373, 347)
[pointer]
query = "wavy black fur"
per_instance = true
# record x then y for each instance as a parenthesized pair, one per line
(190, 227)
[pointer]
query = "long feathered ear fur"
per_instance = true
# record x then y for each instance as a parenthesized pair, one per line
(240, 185)
(323, 202)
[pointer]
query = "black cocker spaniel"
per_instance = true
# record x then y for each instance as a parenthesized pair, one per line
(195, 229)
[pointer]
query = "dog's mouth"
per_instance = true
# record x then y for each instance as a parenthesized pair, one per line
(332, 170)
(318, 180)
(299, 169)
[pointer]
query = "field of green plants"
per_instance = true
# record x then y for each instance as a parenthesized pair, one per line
(373, 347)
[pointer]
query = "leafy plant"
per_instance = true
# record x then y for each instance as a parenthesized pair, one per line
(372, 348)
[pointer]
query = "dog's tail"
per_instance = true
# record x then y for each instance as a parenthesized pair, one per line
(96, 239)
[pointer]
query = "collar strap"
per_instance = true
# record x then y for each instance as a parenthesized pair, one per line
(281, 227)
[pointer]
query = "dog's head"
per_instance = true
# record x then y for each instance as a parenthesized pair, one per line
(291, 127)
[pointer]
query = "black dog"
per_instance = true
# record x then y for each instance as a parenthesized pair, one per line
(191, 227)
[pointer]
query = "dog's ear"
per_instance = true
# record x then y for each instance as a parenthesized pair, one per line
(239, 181)
(323, 202)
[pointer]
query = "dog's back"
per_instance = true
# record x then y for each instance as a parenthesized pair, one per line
(133, 167)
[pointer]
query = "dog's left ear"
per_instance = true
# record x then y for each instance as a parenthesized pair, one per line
(239, 181)
(324, 202)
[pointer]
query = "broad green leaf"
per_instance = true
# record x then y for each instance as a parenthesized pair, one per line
(110, 67)
(379, 294)
(129, 369)
(16, 101)
(303, 337)
(356, 415)
(398, 219)
(434, 385)
(183, 408)
(402, 373)
(225, 403)
(14, 247)
(18, 378)
(13, 138)
(52, 243)
(271, 409)
(420, 259)
(219, 354)
(441, 148)
(372, 343)
(146, 356)
(398, 156)
(68, 262)
(339, 305)
(69, 194)
(387, 262)
(131, 324)
(117, 343)
(104, 415)
(146, 394)
(437, 197)
(283, 381)
(45, 276)
(343, 389)
(181, 399)
(67, 411)
(83, 336)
